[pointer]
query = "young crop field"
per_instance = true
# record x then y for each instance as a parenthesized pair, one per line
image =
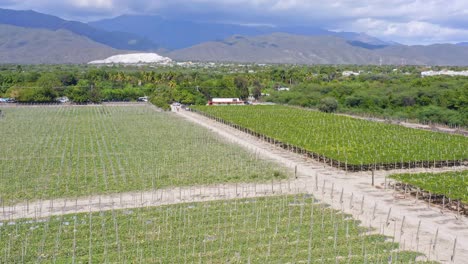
(453, 185)
(282, 229)
(344, 141)
(50, 152)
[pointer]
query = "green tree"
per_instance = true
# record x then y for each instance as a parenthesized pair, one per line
(78, 94)
(242, 85)
(49, 80)
(257, 89)
(328, 105)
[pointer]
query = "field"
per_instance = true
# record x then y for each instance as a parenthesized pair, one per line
(51, 152)
(78, 152)
(453, 185)
(282, 229)
(346, 141)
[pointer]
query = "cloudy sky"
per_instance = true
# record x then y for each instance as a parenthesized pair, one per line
(404, 21)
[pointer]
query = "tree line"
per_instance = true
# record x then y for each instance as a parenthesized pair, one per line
(386, 91)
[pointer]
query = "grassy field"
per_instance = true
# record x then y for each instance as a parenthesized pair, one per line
(344, 139)
(49, 152)
(283, 229)
(453, 185)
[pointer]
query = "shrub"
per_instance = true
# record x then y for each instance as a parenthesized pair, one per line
(328, 105)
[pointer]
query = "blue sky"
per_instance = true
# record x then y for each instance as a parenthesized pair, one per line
(404, 21)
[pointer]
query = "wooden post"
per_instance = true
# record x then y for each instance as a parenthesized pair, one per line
(417, 236)
(454, 250)
(362, 205)
(443, 204)
(402, 226)
(388, 216)
(341, 196)
(435, 239)
(373, 212)
(316, 182)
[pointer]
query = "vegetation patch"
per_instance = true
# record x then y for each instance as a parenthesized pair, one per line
(64, 151)
(283, 229)
(453, 185)
(345, 142)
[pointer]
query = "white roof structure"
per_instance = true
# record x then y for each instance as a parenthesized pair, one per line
(135, 58)
(225, 100)
(444, 72)
(350, 73)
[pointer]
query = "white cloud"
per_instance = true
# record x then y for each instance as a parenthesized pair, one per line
(107, 4)
(412, 32)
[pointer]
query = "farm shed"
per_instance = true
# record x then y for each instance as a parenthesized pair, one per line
(225, 101)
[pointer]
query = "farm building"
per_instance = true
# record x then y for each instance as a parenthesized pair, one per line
(225, 101)
(444, 72)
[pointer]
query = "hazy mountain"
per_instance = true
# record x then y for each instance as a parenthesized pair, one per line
(437, 54)
(177, 34)
(462, 44)
(280, 48)
(287, 48)
(32, 19)
(39, 46)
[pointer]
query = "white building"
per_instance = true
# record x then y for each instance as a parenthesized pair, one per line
(283, 89)
(350, 73)
(225, 101)
(444, 72)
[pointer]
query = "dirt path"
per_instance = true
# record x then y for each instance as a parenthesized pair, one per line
(380, 209)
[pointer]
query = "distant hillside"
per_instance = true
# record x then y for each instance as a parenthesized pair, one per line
(295, 49)
(39, 46)
(32, 19)
(437, 54)
(177, 33)
(281, 48)
(462, 44)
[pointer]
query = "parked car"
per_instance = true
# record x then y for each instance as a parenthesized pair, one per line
(63, 99)
(7, 100)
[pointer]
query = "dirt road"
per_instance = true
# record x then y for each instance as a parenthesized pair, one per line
(413, 223)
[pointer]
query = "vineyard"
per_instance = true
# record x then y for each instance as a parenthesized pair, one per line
(450, 189)
(344, 142)
(280, 229)
(53, 152)
(124, 183)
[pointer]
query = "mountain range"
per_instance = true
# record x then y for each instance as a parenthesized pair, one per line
(35, 20)
(20, 45)
(175, 34)
(297, 49)
(28, 37)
